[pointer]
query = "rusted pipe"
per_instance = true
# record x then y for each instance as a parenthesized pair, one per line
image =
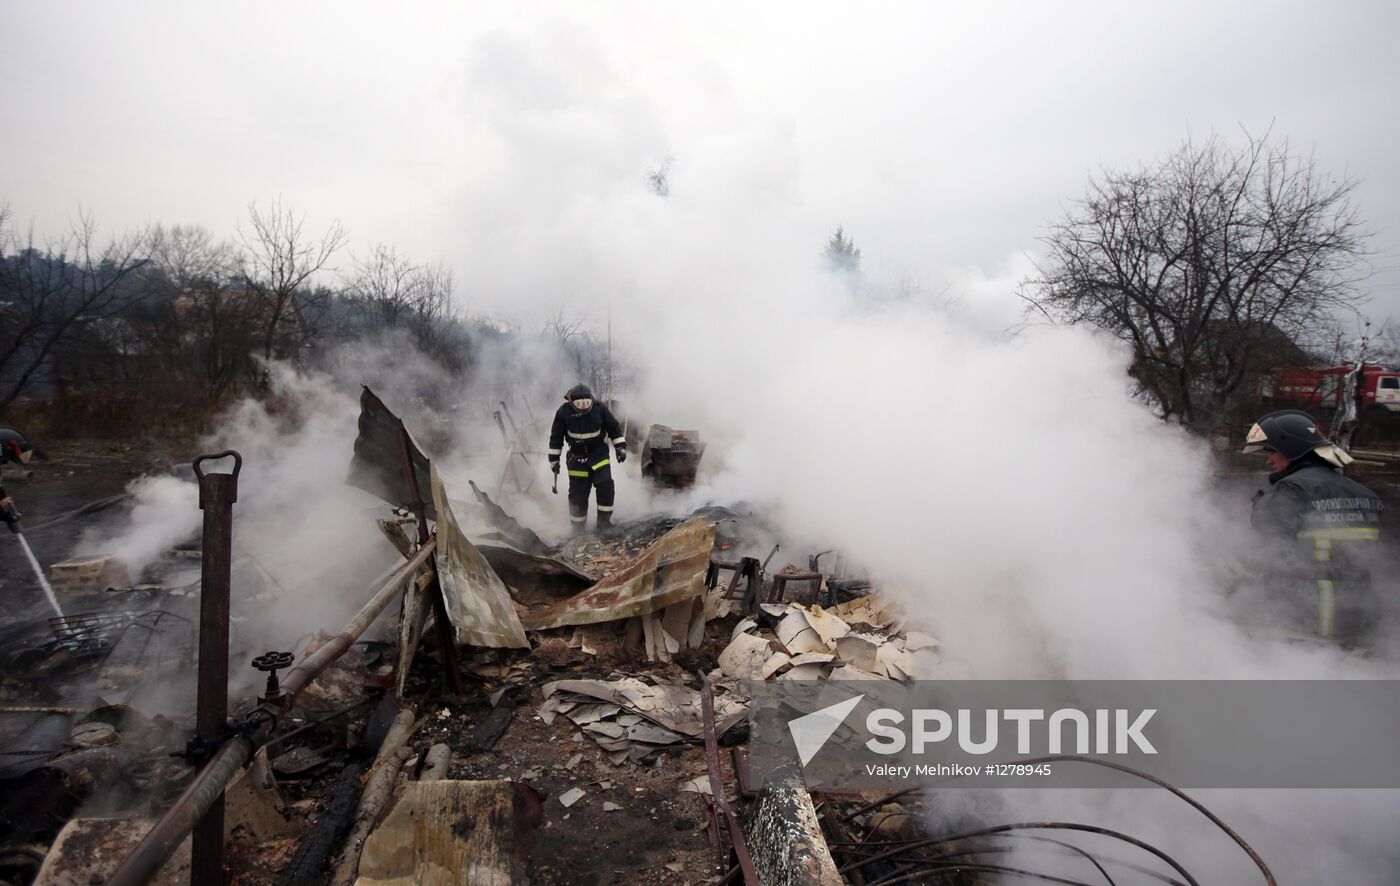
(312, 665)
(217, 493)
(737, 840)
(208, 785)
(203, 793)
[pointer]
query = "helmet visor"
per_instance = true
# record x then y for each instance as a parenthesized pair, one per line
(583, 404)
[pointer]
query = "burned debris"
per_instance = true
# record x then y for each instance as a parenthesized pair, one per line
(671, 458)
(528, 713)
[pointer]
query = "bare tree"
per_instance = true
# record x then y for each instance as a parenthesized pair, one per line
(389, 291)
(1203, 263)
(279, 261)
(563, 326)
(189, 257)
(52, 295)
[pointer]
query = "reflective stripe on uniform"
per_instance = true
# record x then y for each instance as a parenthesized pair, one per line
(589, 436)
(600, 464)
(556, 452)
(578, 473)
(583, 519)
(1323, 538)
(603, 509)
(1326, 607)
(618, 441)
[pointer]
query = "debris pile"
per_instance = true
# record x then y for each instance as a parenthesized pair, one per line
(406, 756)
(632, 720)
(856, 640)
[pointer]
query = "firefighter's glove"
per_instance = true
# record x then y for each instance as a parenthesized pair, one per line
(621, 455)
(554, 466)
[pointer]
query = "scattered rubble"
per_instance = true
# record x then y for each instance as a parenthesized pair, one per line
(812, 643)
(631, 720)
(598, 679)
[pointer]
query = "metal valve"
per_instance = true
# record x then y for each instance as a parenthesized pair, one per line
(272, 662)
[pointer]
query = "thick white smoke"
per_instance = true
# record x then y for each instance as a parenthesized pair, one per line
(1007, 490)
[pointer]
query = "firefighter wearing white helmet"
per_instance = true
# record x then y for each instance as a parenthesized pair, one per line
(588, 427)
(1323, 530)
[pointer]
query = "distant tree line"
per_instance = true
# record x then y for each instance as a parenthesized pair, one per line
(177, 308)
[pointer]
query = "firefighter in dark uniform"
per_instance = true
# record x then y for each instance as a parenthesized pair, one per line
(16, 449)
(587, 427)
(1321, 532)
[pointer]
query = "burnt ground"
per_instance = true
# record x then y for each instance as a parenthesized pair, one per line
(650, 832)
(656, 834)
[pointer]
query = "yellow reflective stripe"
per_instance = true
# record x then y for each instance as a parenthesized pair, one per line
(1322, 549)
(578, 473)
(1326, 607)
(600, 464)
(1323, 538)
(1343, 533)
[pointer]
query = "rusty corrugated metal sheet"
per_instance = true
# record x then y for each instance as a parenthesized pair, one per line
(672, 569)
(376, 467)
(478, 604)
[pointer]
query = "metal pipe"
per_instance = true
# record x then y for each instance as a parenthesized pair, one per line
(203, 793)
(312, 665)
(161, 841)
(217, 493)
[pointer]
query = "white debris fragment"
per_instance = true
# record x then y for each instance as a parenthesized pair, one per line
(851, 672)
(776, 662)
(743, 627)
(571, 796)
(700, 784)
(743, 658)
(609, 806)
(914, 640)
(796, 634)
(804, 672)
(859, 651)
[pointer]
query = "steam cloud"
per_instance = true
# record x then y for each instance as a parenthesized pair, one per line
(1006, 489)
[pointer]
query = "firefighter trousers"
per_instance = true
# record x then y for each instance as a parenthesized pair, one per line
(588, 470)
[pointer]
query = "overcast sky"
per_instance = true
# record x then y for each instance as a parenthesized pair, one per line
(943, 136)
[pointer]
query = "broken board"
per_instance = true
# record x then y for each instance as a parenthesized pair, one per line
(454, 833)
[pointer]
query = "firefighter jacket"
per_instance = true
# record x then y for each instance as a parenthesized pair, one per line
(1321, 532)
(586, 433)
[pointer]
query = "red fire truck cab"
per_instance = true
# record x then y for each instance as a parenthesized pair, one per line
(1318, 390)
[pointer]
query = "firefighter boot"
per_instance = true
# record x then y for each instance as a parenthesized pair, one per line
(605, 521)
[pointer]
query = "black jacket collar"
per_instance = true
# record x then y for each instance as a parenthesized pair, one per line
(1310, 460)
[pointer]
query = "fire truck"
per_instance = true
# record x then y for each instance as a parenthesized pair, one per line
(1320, 390)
